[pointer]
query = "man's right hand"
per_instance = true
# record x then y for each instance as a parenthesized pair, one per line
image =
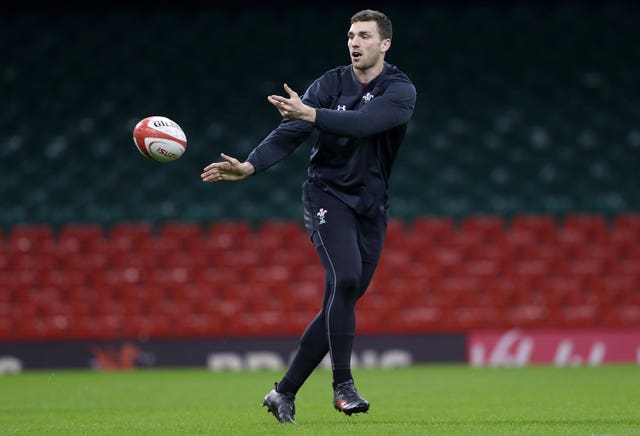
(229, 169)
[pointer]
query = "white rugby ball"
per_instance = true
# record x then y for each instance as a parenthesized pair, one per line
(160, 139)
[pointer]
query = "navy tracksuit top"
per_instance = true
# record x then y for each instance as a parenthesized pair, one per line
(360, 129)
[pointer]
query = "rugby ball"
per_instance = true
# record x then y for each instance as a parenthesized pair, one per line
(159, 139)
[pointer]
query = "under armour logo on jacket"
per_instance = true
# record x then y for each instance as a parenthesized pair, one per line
(342, 107)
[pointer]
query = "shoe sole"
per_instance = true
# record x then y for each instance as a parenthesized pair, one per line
(356, 410)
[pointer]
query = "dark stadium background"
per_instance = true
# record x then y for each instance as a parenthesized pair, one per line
(514, 198)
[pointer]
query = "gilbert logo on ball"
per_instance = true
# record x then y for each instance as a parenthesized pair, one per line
(159, 139)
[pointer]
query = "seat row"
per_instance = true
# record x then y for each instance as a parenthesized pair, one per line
(136, 281)
(520, 229)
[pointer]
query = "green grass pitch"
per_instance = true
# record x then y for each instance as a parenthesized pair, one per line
(420, 400)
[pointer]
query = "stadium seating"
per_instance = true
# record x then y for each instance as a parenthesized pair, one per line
(182, 279)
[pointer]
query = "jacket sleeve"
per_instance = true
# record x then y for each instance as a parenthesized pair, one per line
(279, 144)
(390, 109)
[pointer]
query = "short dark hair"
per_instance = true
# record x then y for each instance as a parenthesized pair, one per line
(384, 23)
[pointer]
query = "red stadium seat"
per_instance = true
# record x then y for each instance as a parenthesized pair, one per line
(581, 229)
(481, 268)
(431, 230)
(286, 228)
(625, 233)
(29, 260)
(184, 235)
(130, 237)
(611, 289)
(580, 315)
(229, 235)
(526, 315)
(20, 278)
(80, 237)
(83, 261)
(624, 237)
(587, 223)
(198, 324)
(520, 237)
(623, 316)
(549, 252)
(629, 267)
(629, 220)
(63, 278)
(490, 228)
(30, 238)
(604, 251)
(560, 290)
(543, 226)
(7, 329)
(579, 267)
(630, 251)
(124, 260)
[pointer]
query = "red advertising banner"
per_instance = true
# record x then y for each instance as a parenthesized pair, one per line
(558, 347)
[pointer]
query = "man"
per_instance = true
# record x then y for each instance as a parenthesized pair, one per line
(361, 111)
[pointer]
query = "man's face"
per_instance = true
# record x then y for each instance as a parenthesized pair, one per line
(365, 46)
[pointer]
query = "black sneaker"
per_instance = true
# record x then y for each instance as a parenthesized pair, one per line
(280, 405)
(346, 399)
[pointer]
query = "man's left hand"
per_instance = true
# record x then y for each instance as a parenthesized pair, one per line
(292, 107)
